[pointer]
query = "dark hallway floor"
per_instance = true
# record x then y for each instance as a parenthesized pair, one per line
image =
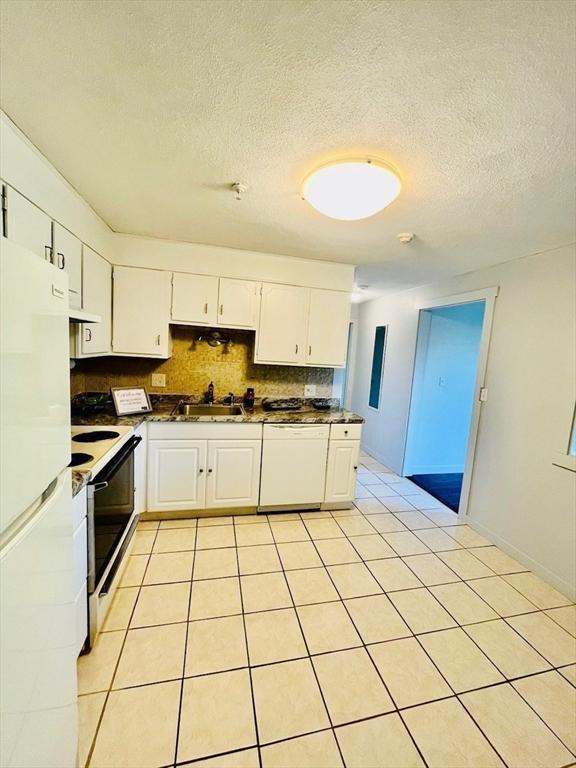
(446, 488)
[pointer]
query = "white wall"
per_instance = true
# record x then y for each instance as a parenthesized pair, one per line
(518, 497)
(443, 390)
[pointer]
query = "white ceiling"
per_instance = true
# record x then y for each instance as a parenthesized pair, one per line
(150, 109)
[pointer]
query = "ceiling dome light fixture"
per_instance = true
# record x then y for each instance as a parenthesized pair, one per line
(351, 189)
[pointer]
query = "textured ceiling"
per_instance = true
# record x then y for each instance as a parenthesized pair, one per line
(150, 109)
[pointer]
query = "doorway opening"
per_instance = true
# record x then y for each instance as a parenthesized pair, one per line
(446, 376)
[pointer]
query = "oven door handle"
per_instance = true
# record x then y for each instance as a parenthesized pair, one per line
(105, 476)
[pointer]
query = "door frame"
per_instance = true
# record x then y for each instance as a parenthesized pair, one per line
(488, 295)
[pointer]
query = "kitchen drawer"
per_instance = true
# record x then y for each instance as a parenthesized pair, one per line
(81, 615)
(296, 431)
(203, 430)
(345, 431)
(80, 550)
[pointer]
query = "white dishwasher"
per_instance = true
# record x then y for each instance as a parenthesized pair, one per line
(294, 460)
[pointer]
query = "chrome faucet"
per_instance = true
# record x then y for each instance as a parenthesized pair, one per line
(231, 397)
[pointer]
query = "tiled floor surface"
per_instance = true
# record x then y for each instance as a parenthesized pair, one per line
(386, 636)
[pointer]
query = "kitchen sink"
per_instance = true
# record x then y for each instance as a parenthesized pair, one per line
(189, 409)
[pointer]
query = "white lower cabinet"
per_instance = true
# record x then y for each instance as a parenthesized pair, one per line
(176, 474)
(80, 550)
(233, 473)
(341, 471)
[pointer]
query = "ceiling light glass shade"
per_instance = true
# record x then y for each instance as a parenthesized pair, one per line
(351, 189)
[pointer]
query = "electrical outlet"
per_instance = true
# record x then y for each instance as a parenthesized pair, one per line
(158, 379)
(310, 390)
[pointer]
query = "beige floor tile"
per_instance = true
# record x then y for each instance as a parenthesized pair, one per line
(89, 710)
(96, 669)
(549, 639)
(121, 608)
(215, 563)
(351, 686)
(311, 585)
(554, 699)
(467, 536)
(215, 537)
(501, 596)
(337, 551)
(421, 611)
(448, 737)
(151, 655)
(327, 627)
(143, 542)
(290, 530)
(436, 540)
(529, 742)
(406, 543)
(506, 649)
(382, 742)
(414, 520)
(183, 522)
(569, 673)
(177, 540)
(372, 547)
(216, 715)
(408, 673)
(318, 750)
(460, 660)
(369, 506)
(169, 567)
(299, 554)
(251, 536)
(565, 616)
(323, 529)
(443, 517)
(138, 727)
(288, 701)
(338, 513)
(376, 619)
(161, 604)
(463, 603)
(259, 559)
(215, 645)
(537, 591)
(356, 526)
(245, 758)
(208, 522)
(465, 565)
(353, 580)
(393, 574)
(398, 505)
(497, 560)
(316, 514)
(148, 525)
(283, 517)
(249, 519)
(387, 523)
(430, 569)
(134, 572)
(214, 598)
(274, 636)
(265, 592)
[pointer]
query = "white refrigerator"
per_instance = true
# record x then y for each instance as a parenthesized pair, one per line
(38, 711)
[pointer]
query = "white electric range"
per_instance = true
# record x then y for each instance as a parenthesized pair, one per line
(92, 447)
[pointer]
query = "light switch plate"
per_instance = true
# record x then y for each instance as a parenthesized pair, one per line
(158, 379)
(309, 390)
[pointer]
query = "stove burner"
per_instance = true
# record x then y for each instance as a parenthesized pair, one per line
(80, 458)
(95, 437)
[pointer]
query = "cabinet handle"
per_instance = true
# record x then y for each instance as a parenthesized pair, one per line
(209, 471)
(48, 253)
(345, 431)
(355, 469)
(158, 340)
(309, 349)
(200, 471)
(88, 335)
(296, 348)
(61, 260)
(221, 309)
(206, 308)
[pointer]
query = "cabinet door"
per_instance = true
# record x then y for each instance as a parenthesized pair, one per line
(328, 328)
(97, 298)
(27, 225)
(283, 324)
(68, 256)
(176, 475)
(141, 312)
(233, 473)
(194, 299)
(341, 471)
(238, 303)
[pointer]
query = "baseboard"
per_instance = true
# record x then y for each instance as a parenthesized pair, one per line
(435, 469)
(540, 570)
(378, 456)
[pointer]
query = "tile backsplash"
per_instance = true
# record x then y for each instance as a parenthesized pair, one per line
(194, 365)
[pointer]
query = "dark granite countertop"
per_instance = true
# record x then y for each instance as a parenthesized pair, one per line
(79, 480)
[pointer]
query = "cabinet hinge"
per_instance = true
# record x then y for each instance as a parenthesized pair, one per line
(4, 199)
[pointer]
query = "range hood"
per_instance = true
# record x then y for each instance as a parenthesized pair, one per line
(80, 316)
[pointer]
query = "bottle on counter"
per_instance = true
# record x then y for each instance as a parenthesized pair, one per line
(210, 393)
(249, 398)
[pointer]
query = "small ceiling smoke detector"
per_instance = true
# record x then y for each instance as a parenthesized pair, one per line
(239, 188)
(405, 237)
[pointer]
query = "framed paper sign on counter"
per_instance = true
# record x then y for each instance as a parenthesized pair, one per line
(130, 400)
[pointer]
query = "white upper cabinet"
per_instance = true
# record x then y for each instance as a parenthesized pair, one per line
(27, 225)
(328, 323)
(96, 299)
(194, 299)
(282, 331)
(238, 303)
(67, 255)
(141, 301)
